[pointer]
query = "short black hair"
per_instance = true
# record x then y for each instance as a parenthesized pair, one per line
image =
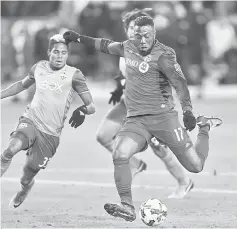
(144, 20)
(55, 39)
(132, 15)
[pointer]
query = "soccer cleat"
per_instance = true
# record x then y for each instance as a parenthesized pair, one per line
(20, 196)
(123, 210)
(142, 167)
(212, 122)
(182, 191)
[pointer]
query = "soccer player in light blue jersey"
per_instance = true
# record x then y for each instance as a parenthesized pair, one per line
(41, 124)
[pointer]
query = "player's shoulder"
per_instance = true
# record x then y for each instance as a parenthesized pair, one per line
(164, 49)
(73, 70)
(77, 73)
(127, 43)
(43, 63)
(38, 65)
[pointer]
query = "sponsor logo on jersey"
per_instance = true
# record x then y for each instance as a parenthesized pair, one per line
(130, 62)
(143, 67)
(50, 85)
(63, 76)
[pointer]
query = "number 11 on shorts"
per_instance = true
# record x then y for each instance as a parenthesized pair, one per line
(179, 133)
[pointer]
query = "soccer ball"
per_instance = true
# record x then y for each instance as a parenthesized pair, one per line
(152, 212)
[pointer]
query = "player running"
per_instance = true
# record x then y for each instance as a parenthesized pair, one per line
(115, 118)
(41, 124)
(151, 69)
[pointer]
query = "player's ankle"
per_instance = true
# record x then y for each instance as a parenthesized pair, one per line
(206, 127)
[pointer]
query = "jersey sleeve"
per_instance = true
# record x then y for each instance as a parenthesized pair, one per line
(116, 48)
(31, 73)
(79, 82)
(172, 70)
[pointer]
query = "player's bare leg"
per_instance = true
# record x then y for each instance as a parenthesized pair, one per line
(194, 158)
(15, 145)
(27, 182)
(106, 133)
(185, 184)
(124, 149)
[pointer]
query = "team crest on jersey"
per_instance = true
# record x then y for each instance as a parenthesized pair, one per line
(147, 58)
(143, 67)
(63, 76)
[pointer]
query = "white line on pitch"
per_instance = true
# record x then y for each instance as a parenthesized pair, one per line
(110, 185)
(148, 172)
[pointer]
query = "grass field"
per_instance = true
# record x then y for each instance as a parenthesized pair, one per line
(72, 190)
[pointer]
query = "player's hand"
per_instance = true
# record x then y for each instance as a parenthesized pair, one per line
(189, 120)
(71, 35)
(78, 116)
(116, 95)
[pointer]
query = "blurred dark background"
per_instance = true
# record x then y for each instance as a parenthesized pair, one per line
(203, 34)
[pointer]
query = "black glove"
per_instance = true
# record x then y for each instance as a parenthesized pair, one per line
(189, 120)
(78, 116)
(71, 35)
(116, 95)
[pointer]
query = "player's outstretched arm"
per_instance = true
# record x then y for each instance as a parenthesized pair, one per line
(172, 70)
(19, 86)
(100, 44)
(80, 86)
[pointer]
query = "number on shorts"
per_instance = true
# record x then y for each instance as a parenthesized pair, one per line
(45, 162)
(179, 133)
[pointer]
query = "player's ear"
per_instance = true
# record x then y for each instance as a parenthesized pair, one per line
(48, 52)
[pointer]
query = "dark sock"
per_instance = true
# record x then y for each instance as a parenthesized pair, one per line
(123, 180)
(202, 143)
(27, 177)
(5, 163)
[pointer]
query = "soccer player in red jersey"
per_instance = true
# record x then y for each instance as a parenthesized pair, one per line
(115, 118)
(151, 70)
(41, 124)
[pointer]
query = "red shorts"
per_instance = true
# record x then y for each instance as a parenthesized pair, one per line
(41, 146)
(166, 128)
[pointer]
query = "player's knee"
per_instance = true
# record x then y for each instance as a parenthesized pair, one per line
(120, 153)
(103, 138)
(197, 168)
(13, 148)
(25, 182)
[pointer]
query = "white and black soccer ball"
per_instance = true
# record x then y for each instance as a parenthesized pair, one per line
(152, 212)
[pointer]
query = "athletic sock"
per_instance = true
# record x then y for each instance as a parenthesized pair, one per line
(202, 143)
(5, 163)
(123, 180)
(134, 161)
(175, 168)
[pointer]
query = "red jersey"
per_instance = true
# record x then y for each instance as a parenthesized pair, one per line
(149, 79)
